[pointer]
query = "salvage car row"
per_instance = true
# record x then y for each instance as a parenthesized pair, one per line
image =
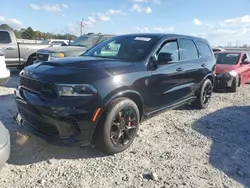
(102, 95)
(24, 54)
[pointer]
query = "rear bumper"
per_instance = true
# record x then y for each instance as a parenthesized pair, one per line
(5, 151)
(57, 122)
(4, 76)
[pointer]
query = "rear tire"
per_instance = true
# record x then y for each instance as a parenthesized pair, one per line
(109, 135)
(204, 96)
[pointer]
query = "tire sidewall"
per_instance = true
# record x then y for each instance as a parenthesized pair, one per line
(235, 83)
(108, 122)
(205, 83)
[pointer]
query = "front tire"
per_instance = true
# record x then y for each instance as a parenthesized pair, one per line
(118, 127)
(235, 84)
(204, 96)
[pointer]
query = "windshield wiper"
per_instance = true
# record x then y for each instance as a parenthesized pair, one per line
(81, 45)
(107, 57)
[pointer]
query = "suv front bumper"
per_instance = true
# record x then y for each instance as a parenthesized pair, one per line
(60, 122)
(223, 81)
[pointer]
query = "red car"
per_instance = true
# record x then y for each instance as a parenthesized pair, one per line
(232, 69)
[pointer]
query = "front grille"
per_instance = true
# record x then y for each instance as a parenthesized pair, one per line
(45, 89)
(42, 57)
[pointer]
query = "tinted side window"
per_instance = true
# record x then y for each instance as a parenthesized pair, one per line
(188, 49)
(4, 37)
(204, 49)
(171, 47)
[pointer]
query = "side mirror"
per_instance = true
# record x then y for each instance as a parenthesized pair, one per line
(164, 58)
(245, 63)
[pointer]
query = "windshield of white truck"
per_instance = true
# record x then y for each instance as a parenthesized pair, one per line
(85, 41)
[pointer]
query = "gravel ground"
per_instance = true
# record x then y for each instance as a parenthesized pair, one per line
(178, 148)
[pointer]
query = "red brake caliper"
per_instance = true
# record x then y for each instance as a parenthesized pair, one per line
(129, 123)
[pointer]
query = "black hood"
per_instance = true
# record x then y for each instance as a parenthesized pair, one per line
(85, 62)
(78, 69)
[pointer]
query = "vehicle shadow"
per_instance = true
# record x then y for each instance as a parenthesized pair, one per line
(222, 91)
(185, 107)
(229, 130)
(28, 149)
(14, 78)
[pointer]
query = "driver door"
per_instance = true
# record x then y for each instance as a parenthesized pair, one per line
(166, 80)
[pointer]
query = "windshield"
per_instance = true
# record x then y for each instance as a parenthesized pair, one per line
(130, 48)
(227, 58)
(85, 41)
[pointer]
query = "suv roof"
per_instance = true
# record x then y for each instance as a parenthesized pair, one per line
(166, 35)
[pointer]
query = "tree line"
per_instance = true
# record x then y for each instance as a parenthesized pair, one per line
(29, 33)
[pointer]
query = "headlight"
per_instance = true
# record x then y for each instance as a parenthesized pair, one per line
(233, 73)
(229, 74)
(57, 55)
(76, 90)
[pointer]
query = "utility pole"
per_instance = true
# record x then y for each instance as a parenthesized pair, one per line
(82, 25)
(81, 28)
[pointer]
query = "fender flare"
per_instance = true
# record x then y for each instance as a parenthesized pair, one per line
(29, 54)
(208, 76)
(124, 93)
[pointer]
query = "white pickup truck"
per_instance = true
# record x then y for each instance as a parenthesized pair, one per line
(18, 54)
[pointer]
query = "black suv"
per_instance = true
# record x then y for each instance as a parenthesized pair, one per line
(102, 95)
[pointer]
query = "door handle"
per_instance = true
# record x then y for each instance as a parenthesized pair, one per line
(203, 65)
(10, 48)
(179, 69)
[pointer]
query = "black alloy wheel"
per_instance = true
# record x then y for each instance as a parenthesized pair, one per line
(123, 128)
(204, 95)
(118, 126)
(207, 93)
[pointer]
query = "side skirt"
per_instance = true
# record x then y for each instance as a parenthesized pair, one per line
(168, 107)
